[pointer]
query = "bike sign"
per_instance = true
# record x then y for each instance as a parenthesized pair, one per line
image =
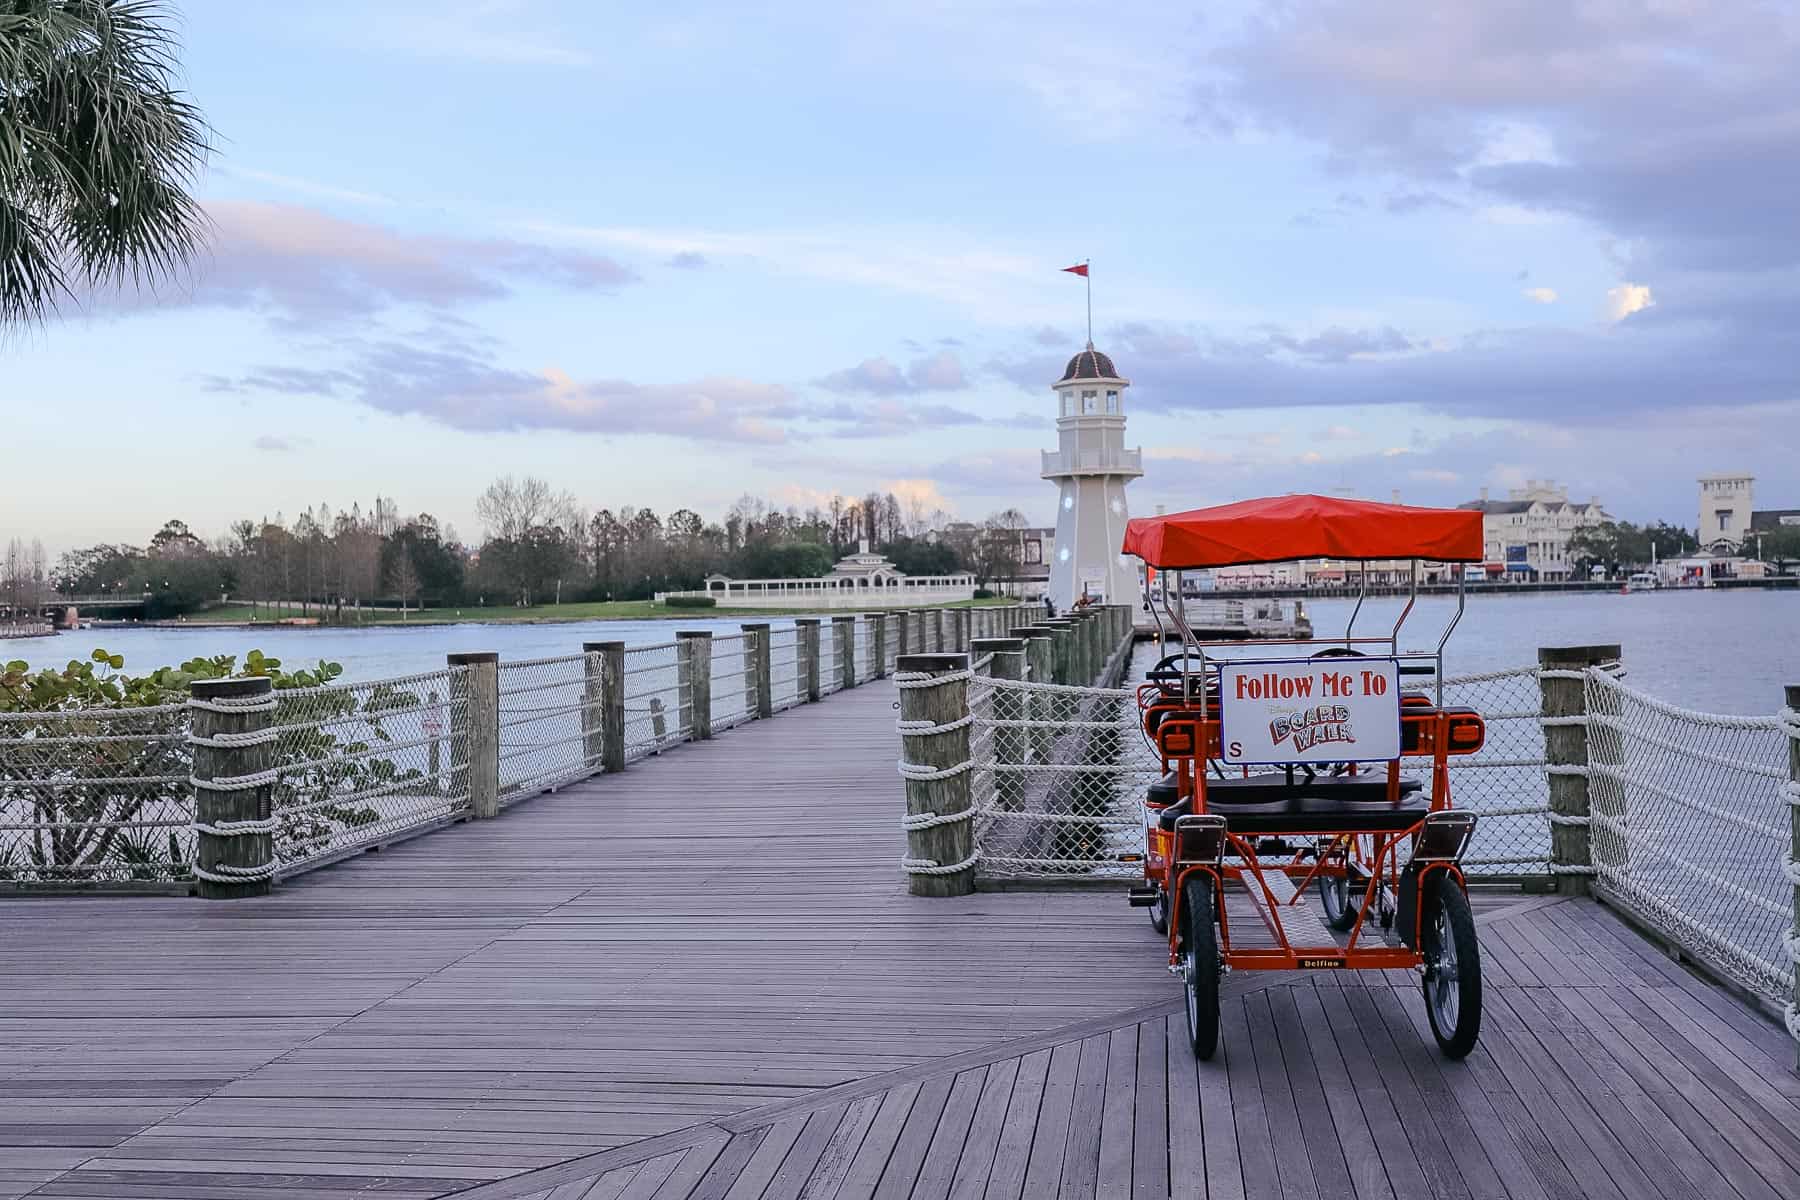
(1318, 711)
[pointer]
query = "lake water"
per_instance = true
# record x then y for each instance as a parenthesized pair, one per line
(1722, 651)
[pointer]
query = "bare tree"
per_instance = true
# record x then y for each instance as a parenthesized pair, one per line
(404, 579)
(1000, 549)
(511, 506)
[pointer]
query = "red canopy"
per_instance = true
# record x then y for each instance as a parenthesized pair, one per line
(1283, 528)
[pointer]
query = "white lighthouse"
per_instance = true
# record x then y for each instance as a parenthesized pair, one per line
(1090, 469)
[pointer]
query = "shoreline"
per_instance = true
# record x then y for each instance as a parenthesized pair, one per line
(1780, 583)
(692, 614)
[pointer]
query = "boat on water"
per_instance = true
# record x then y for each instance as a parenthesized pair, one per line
(1229, 618)
(1642, 581)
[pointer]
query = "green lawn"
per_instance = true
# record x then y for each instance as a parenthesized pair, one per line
(598, 610)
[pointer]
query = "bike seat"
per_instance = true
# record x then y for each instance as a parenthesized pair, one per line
(1323, 804)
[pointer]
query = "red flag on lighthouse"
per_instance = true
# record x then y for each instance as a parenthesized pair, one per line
(1077, 270)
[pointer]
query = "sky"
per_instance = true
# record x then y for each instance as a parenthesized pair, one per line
(669, 254)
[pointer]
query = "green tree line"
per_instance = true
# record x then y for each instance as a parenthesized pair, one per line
(538, 546)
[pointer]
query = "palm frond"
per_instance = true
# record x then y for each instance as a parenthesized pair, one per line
(98, 150)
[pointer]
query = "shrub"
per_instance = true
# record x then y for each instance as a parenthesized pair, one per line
(982, 593)
(691, 602)
(115, 748)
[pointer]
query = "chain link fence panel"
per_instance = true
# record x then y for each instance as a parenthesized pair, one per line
(1058, 780)
(656, 700)
(95, 796)
(358, 764)
(787, 684)
(550, 723)
(1503, 782)
(733, 692)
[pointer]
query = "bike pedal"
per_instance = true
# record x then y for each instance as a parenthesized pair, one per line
(1143, 897)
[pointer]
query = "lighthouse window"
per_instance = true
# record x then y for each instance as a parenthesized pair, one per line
(1112, 401)
(1068, 405)
(1089, 400)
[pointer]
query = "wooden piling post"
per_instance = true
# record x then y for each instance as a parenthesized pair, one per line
(612, 702)
(234, 821)
(695, 649)
(1040, 660)
(593, 706)
(806, 646)
(878, 644)
(478, 690)
(756, 670)
(1062, 644)
(935, 765)
(1008, 704)
(903, 633)
(1562, 683)
(843, 636)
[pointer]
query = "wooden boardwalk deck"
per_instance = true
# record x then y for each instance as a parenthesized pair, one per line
(633, 988)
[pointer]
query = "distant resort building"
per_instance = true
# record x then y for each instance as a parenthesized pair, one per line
(1527, 534)
(1729, 518)
(861, 580)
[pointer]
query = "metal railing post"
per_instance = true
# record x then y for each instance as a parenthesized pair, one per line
(843, 637)
(479, 687)
(806, 646)
(612, 703)
(1562, 681)
(756, 668)
(230, 738)
(695, 649)
(934, 739)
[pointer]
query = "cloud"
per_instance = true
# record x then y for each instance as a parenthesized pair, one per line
(1665, 123)
(1411, 201)
(305, 187)
(1626, 299)
(460, 385)
(306, 268)
(686, 260)
(1339, 433)
(1046, 336)
(920, 494)
(1541, 295)
(465, 390)
(961, 270)
(500, 32)
(275, 444)
(940, 372)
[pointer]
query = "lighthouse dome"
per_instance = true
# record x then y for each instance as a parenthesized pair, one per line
(1089, 364)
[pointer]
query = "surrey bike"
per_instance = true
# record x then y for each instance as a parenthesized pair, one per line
(1283, 771)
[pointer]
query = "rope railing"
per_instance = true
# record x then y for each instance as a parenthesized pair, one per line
(1692, 826)
(110, 796)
